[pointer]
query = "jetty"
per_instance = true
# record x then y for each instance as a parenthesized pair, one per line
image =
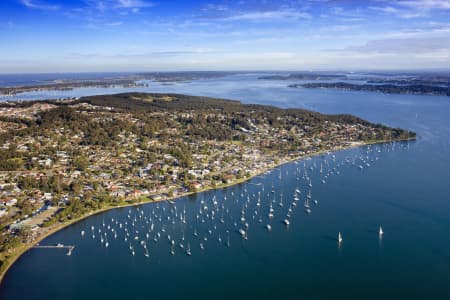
(58, 246)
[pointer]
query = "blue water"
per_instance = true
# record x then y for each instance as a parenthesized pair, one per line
(405, 190)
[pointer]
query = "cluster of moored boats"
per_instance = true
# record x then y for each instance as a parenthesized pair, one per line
(193, 227)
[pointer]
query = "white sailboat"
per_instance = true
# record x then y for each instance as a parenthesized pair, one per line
(339, 238)
(243, 233)
(307, 205)
(271, 211)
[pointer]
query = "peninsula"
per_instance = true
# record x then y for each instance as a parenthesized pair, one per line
(416, 89)
(304, 76)
(126, 80)
(67, 85)
(62, 160)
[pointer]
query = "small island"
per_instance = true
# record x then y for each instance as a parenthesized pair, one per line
(63, 160)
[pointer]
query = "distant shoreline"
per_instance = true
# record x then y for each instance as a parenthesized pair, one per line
(26, 247)
(131, 80)
(411, 89)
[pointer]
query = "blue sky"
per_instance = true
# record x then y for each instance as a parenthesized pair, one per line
(156, 35)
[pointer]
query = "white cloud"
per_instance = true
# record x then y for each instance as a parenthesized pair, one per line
(215, 7)
(127, 5)
(399, 12)
(255, 10)
(426, 4)
(385, 9)
(39, 5)
(410, 9)
(268, 15)
(402, 46)
(133, 4)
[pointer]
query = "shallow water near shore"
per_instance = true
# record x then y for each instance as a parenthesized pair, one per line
(402, 186)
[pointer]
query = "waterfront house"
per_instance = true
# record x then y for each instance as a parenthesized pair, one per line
(157, 197)
(228, 178)
(196, 185)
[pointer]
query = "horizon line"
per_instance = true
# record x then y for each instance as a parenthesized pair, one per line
(443, 69)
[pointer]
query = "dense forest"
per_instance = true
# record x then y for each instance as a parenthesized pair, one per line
(196, 120)
(137, 102)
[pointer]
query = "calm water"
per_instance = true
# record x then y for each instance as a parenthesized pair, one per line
(405, 189)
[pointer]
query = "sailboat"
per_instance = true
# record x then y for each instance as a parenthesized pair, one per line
(307, 205)
(339, 238)
(380, 232)
(271, 210)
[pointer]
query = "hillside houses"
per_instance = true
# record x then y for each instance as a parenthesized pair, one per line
(88, 155)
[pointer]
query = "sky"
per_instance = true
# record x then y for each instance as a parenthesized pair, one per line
(41, 36)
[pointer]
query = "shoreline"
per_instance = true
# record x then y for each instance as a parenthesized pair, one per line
(26, 247)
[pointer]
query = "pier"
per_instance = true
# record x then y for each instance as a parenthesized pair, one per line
(58, 246)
